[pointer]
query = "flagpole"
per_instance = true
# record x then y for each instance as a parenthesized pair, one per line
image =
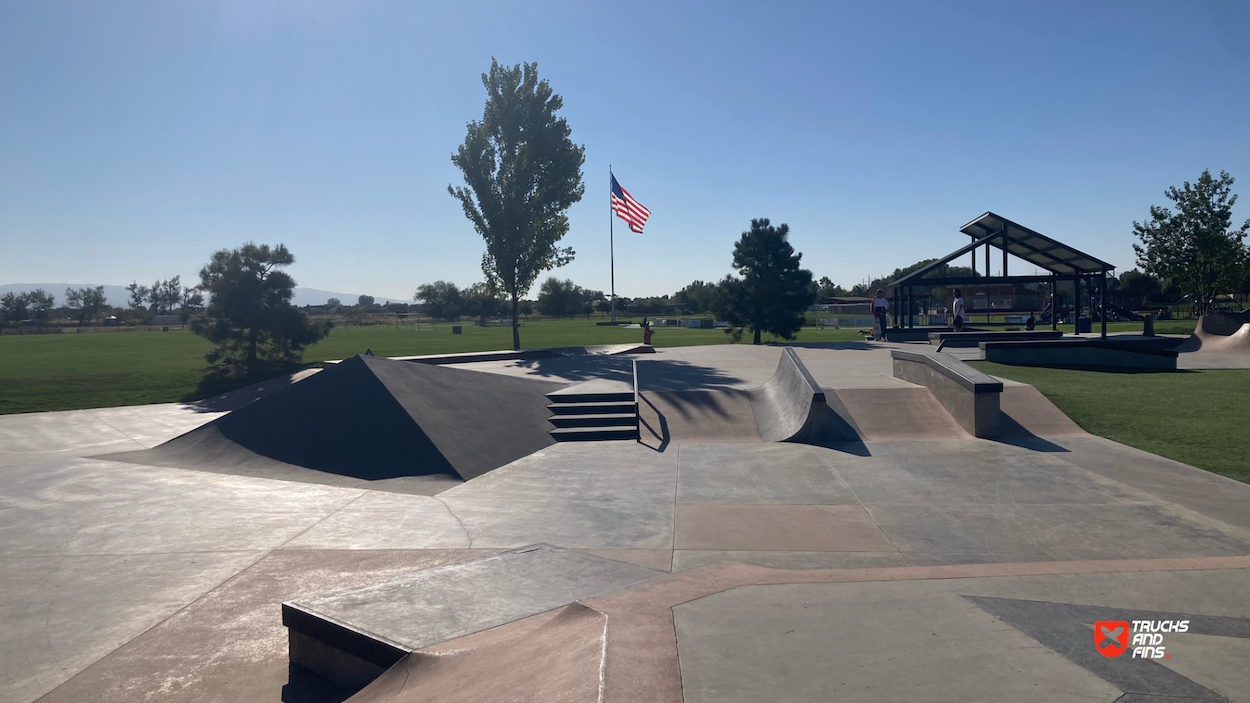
(611, 245)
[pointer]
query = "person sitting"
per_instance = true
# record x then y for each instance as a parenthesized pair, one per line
(1031, 323)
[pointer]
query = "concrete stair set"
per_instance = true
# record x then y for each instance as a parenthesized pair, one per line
(589, 417)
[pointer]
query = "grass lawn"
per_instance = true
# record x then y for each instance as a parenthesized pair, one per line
(1195, 417)
(109, 368)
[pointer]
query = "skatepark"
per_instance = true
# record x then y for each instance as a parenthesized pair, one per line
(860, 520)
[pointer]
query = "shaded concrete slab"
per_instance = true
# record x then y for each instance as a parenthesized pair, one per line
(61, 614)
(764, 473)
(230, 644)
(798, 528)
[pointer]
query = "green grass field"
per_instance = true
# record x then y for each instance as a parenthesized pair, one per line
(110, 368)
(1195, 417)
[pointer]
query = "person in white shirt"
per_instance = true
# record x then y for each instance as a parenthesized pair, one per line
(881, 306)
(957, 311)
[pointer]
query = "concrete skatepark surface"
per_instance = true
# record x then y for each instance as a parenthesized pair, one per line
(913, 562)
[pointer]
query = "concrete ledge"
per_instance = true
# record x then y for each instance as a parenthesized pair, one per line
(1082, 353)
(970, 396)
(972, 339)
(791, 407)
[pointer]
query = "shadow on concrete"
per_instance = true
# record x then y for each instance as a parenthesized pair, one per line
(654, 375)
(848, 346)
(651, 435)
(1017, 435)
(303, 686)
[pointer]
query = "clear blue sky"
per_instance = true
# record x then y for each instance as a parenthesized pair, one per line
(138, 137)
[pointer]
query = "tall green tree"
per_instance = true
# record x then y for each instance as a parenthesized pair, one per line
(560, 298)
(365, 301)
(773, 291)
(1196, 248)
(441, 298)
(14, 307)
(250, 319)
(482, 300)
(522, 172)
(87, 302)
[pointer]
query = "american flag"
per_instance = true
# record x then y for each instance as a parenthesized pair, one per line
(628, 209)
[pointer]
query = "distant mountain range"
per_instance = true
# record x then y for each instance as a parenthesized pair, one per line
(119, 297)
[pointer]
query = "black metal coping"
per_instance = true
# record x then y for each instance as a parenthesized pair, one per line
(954, 369)
(1131, 347)
(342, 637)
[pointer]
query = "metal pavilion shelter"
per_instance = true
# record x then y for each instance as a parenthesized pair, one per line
(993, 231)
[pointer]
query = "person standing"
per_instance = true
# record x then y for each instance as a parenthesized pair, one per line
(881, 306)
(957, 311)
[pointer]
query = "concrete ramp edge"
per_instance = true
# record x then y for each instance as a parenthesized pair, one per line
(791, 407)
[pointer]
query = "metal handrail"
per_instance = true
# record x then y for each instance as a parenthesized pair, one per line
(637, 416)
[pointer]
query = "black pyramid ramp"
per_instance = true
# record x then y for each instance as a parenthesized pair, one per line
(372, 422)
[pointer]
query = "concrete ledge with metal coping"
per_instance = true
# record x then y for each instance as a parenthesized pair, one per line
(971, 339)
(970, 396)
(1081, 353)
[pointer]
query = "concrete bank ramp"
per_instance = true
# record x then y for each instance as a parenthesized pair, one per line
(352, 637)
(1220, 333)
(557, 663)
(372, 422)
(792, 407)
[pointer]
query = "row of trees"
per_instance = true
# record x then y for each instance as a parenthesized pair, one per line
(165, 297)
(85, 304)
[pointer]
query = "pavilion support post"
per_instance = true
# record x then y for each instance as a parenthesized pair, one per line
(1054, 308)
(1076, 303)
(1102, 302)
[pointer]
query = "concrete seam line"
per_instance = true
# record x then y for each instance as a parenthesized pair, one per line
(114, 428)
(334, 512)
(193, 601)
(603, 654)
(456, 517)
(863, 507)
